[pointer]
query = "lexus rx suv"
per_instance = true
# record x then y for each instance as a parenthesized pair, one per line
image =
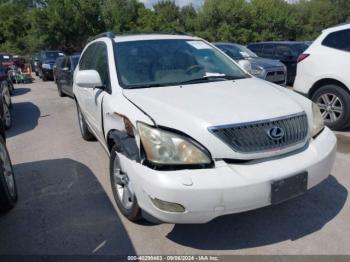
(190, 134)
(323, 75)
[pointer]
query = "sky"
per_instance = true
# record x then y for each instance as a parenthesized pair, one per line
(196, 3)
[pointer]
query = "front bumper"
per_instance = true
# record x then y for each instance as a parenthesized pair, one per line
(227, 188)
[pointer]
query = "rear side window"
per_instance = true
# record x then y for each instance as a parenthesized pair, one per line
(338, 40)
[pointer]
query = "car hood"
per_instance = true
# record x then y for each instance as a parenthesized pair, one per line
(192, 109)
(265, 62)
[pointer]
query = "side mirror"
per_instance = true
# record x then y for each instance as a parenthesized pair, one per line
(89, 79)
(246, 65)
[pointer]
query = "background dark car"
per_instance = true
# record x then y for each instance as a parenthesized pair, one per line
(285, 51)
(45, 63)
(64, 71)
(268, 69)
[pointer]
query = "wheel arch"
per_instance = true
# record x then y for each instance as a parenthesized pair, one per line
(126, 144)
(327, 81)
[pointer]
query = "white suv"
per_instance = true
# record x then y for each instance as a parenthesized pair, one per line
(191, 135)
(323, 75)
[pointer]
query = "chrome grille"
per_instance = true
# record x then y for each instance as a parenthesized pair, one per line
(254, 137)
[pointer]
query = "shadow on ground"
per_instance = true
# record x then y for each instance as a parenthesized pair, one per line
(288, 221)
(20, 91)
(25, 117)
(62, 209)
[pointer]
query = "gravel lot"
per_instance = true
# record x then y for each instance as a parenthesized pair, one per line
(65, 202)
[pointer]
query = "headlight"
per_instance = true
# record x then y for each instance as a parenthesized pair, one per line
(163, 147)
(256, 71)
(318, 123)
(46, 66)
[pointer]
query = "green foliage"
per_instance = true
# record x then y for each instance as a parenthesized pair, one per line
(30, 25)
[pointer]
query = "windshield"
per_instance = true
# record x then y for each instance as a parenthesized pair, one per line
(172, 62)
(237, 51)
(52, 55)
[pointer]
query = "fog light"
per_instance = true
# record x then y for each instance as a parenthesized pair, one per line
(167, 206)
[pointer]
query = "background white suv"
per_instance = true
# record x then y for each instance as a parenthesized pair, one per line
(191, 135)
(323, 74)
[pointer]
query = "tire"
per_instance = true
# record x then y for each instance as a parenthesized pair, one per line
(121, 187)
(59, 88)
(84, 129)
(8, 188)
(7, 119)
(334, 103)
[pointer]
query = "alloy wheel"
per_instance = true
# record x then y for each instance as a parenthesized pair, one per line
(331, 107)
(122, 184)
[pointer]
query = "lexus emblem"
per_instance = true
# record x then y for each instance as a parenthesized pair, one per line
(275, 133)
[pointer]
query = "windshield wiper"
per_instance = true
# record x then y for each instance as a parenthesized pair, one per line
(211, 78)
(144, 86)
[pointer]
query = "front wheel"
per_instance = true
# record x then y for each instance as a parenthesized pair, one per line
(8, 189)
(334, 103)
(122, 188)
